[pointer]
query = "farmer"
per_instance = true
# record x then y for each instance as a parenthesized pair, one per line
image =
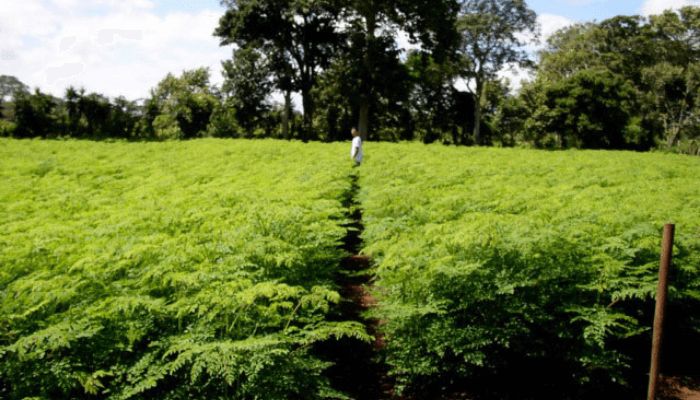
(356, 150)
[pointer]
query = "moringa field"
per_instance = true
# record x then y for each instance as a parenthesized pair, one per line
(209, 268)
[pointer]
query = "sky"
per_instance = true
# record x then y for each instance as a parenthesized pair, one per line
(125, 47)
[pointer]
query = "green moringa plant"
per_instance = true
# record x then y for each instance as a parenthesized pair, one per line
(168, 270)
(500, 262)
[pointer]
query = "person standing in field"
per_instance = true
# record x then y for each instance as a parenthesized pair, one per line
(356, 149)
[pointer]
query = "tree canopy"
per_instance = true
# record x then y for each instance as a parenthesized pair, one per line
(314, 69)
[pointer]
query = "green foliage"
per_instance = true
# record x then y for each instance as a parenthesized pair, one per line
(223, 122)
(169, 270)
(247, 86)
(36, 115)
(432, 99)
(77, 114)
(297, 38)
(642, 72)
(7, 128)
(182, 106)
(492, 38)
(592, 108)
(675, 93)
(10, 87)
(494, 261)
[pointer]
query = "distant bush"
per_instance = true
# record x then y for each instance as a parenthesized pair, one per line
(7, 128)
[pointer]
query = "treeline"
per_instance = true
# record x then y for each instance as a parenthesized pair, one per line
(179, 107)
(626, 82)
(629, 82)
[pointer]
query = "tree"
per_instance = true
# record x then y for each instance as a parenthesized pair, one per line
(432, 96)
(656, 56)
(9, 86)
(491, 32)
(510, 120)
(672, 85)
(568, 51)
(88, 115)
(675, 93)
(297, 36)
(180, 107)
(594, 108)
(622, 44)
(345, 82)
(370, 27)
(246, 86)
(677, 35)
(36, 115)
(124, 117)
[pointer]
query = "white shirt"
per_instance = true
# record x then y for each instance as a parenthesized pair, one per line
(356, 150)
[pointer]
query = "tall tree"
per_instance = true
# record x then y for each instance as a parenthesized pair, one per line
(371, 27)
(591, 109)
(182, 106)
(673, 84)
(246, 86)
(298, 36)
(658, 56)
(123, 119)
(492, 34)
(675, 93)
(37, 115)
(432, 96)
(9, 85)
(677, 35)
(87, 115)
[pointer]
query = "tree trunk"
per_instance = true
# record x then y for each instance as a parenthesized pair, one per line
(672, 135)
(307, 128)
(477, 112)
(366, 95)
(363, 125)
(286, 114)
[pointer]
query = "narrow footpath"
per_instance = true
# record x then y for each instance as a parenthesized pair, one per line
(358, 370)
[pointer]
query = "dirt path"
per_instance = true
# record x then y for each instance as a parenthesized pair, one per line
(676, 388)
(358, 370)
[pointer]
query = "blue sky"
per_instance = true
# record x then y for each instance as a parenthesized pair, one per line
(124, 47)
(586, 10)
(580, 10)
(165, 6)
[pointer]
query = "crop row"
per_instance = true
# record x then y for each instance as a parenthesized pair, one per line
(168, 270)
(498, 264)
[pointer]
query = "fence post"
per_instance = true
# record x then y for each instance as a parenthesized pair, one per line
(661, 291)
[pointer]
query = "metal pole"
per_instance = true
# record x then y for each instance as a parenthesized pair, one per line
(661, 291)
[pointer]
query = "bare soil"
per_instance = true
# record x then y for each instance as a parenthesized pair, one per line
(679, 388)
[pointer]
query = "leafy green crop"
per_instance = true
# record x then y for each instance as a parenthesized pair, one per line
(205, 269)
(168, 270)
(494, 261)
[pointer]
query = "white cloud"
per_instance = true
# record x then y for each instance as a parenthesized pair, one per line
(114, 47)
(584, 2)
(547, 24)
(403, 41)
(550, 23)
(515, 76)
(651, 7)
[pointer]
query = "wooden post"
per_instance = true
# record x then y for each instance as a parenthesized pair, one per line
(661, 291)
